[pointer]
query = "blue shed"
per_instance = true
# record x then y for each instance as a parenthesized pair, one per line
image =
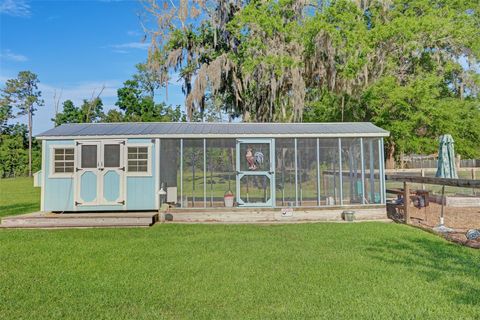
(136, 166)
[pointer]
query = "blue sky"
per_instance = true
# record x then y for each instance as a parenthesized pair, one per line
(75, 47)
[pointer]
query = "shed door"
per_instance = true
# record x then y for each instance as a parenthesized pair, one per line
(100, 173)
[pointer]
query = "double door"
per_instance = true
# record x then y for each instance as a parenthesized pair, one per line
(255, 172)
(99, 173)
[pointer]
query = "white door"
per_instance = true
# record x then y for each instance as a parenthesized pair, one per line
(100, 173)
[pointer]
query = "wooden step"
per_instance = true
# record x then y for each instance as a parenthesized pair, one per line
(66, 226)
(81, 220)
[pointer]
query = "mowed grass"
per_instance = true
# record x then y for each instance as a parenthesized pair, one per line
(18, 196)
(321, 271)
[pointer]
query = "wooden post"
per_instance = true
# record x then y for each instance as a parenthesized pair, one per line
(473, 178)
(406, 202)
(422, 174)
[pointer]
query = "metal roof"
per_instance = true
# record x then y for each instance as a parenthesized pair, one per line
(213, 130)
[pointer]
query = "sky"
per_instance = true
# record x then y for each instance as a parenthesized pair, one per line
(75, 47)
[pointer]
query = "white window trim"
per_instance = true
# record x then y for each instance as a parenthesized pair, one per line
(148, 173)
(51, 168)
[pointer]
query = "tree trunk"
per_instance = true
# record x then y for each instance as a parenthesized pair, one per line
(30, 142)
(390, 163)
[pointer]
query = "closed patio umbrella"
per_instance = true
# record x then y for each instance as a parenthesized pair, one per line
(446, 158)
(445, 169)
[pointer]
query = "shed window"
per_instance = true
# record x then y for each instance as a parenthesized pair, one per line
(64, 160)
(138, 159)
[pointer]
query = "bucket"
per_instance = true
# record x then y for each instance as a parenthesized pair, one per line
(348, 215)
(228, 199)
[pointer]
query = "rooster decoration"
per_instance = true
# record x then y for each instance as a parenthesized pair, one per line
(254, 160)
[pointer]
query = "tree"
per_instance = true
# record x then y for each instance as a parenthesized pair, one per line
(14, 153)
(5, 114)
(69, 114)
(90, 111)
(140, 107)
(409, 66)
(113, 115)
(22, 93)
(148, 79)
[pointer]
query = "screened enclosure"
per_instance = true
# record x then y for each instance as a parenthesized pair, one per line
(273, 172)
(140, 166)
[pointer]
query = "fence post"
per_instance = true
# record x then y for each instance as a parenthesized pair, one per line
(406, 201)
(474, 192)
(422, 173)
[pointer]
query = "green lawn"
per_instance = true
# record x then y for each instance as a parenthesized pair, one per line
(18, 196)
(324, 270)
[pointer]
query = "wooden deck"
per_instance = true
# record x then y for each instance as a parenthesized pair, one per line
(50, 220)
(269, 215)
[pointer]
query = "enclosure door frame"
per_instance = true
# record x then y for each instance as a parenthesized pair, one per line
(100, 172)
(270, 174)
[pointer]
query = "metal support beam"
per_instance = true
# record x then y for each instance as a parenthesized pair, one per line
(362, 159)
(340, 174)
(204, 173)
(157, 173)
(296, 174)
(181, 173)
(318, 172)
(372, 172)
(380, 170)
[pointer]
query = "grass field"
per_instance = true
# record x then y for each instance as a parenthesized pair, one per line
(329, 271)
(321, 271)
(18, 196)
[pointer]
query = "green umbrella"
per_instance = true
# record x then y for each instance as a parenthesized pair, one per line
(446, 158)
(445, 169)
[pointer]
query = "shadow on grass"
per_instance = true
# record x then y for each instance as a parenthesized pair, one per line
(18, 208)
(453, 269)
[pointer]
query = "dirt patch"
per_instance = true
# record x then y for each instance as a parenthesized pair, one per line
(459, 219)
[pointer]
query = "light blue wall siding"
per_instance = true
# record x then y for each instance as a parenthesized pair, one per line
(141, 189)
(58, 193)
(141, 193)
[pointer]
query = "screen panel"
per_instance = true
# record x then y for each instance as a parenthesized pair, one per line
(89, 156)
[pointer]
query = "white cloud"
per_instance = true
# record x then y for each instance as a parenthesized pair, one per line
(134, 33)
(129, 45)
(9, 55)
(75, 92)
(15, 8)
(83, 90)
(120, 51)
